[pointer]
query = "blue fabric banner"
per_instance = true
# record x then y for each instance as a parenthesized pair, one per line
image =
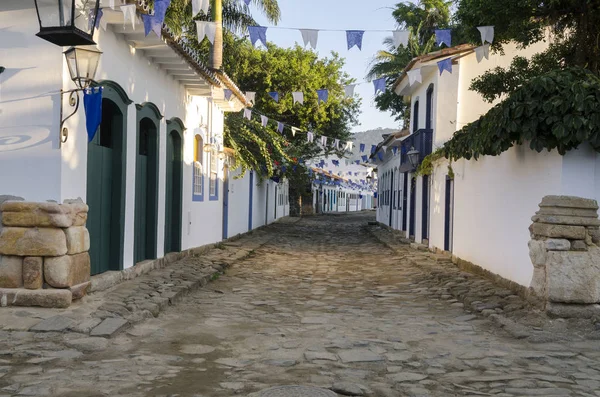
(380, 155)
(154, 22)
(364, 159)
(357, 162)
(258, 33)
(443, 36)
(395, 150)
(379, 85)
(323, 95)
(274, 95)
(92, 103)
(373, 148)
(362, 147)
(445, 64)
(354, 38)
(247, 2)
(227, 93)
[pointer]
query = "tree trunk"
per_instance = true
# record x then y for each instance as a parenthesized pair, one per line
(216, 55)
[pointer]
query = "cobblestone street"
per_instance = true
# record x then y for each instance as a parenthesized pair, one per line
(327, 302)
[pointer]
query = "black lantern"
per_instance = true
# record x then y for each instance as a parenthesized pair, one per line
(413, 156)
(67, 22)
(369, 178)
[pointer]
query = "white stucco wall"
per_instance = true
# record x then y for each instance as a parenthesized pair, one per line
(239, 204)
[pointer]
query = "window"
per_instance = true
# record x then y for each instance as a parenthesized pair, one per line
(415, 116)
(214, 163)
(198, 175)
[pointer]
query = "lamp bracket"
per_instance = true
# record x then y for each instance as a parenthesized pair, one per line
(73, 102)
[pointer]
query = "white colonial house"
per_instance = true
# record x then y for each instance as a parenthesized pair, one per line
(333, 193)
(156, 175)
(482, 209)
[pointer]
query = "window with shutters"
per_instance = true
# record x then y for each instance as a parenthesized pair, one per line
(198, 174)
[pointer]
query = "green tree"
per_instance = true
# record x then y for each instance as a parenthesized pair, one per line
(428, 14)
(574, 26)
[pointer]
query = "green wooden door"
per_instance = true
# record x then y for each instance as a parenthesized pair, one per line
(174, 180)
(103, 190)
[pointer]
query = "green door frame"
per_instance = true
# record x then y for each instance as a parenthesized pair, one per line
(148, 110)
(173, 215)
(116, 94)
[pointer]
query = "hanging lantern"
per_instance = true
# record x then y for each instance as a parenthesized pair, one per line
(67, 22)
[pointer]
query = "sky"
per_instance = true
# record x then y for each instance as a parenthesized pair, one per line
(343, 15)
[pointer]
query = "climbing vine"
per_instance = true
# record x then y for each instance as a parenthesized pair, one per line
(558, 110)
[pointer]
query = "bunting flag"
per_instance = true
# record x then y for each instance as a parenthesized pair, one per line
(198, 5)
(298, 97)
(111, 4)
(227, 93)
(357, 162)
(274, 95)
(443, 36)
(362, 147)
(395, 150)
(323, 141)
(349, 90)
(154, 22)
(384, 148)
(487, 33)
(206, 29)
(248, 114)
(309, 136)
(92, 104)
(251, 96)
(258, 33)
(373, 148)
(380, 155)
(354, 38)
(379, 85)
(129, 14)
(364, 158)
(264, 120)
(247, 2)
(336, 143)
(294, 130)
(481, 52)
(98, 18)
(310, 36)
(279, 126)
(349, 146)
(322, 95)
(414, 76)
(445, 64)
(400, 37)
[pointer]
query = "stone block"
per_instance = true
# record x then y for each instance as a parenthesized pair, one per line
(23, 241)
(53, 324)
(573, 276)
(57, 298)
(109, 327)
(80, 290)
(79, 213)
(539, 285)
(572, 311)
(68, 270)
(557, 244)
(11, 271)
(569, 202)
(33, 276)
(564, 211)
(78, 240)
(28, 214)
(537, 252)
(594, 233)
(558, 231)
(566, 220)
(578, 245)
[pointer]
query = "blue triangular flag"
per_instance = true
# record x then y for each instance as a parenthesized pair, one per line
(154, 22)
(274, 95)
(380, 155)
(323, 95)
(373, 147)
(443, 36)
(357, 162)
(354, 38)
(379, 85)
(395, 150)
(258, 33)
(445, 64)
(247, 2)
(92, 104)
(227, 93)
(362, 147)
(364, 159)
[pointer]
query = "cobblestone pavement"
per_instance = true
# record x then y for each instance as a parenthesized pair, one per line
(323, 303)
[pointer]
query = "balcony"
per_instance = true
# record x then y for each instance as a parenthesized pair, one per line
(421, 140)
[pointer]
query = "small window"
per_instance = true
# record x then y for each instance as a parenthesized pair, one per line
(214, 162)
(198, 177)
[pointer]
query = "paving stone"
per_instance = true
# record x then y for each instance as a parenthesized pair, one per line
(359, 355)
(109, 327)
(348, 389)
(53, 324)
(310, 356)
(89, 344)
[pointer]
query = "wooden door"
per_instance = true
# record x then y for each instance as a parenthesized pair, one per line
(173, 197)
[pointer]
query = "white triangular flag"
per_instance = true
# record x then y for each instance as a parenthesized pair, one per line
(248, 113)
(264, 120)
(198, 5)
(310, 37)
(298, 97)
(483, 51)
(208, 29)
(294, 130)
(487, 34)
(349, 90)
(349, 146)
(111, 4)
(400, 38)
(129, 14)
(250, 96)
(309, 136)
(324, 141)
(414, 76)
(384, 148)
(336, 143)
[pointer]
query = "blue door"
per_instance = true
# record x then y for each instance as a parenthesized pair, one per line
(225, 200)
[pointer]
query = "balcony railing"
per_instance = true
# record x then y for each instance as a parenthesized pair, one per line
(421, 140)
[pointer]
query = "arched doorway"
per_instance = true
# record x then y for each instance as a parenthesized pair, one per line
(146, 182)
(105, 190)
(174, 184)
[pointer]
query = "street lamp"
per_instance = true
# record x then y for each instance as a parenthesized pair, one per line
(369, 178)
(413, 156)
(67, 22)
(82, 63)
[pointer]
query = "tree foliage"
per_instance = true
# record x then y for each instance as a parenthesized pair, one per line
(558, 110)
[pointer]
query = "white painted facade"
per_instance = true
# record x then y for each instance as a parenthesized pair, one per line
(42, 169)
(489, 202)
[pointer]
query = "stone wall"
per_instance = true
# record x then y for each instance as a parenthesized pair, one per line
(44, 258)
(566, 256)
